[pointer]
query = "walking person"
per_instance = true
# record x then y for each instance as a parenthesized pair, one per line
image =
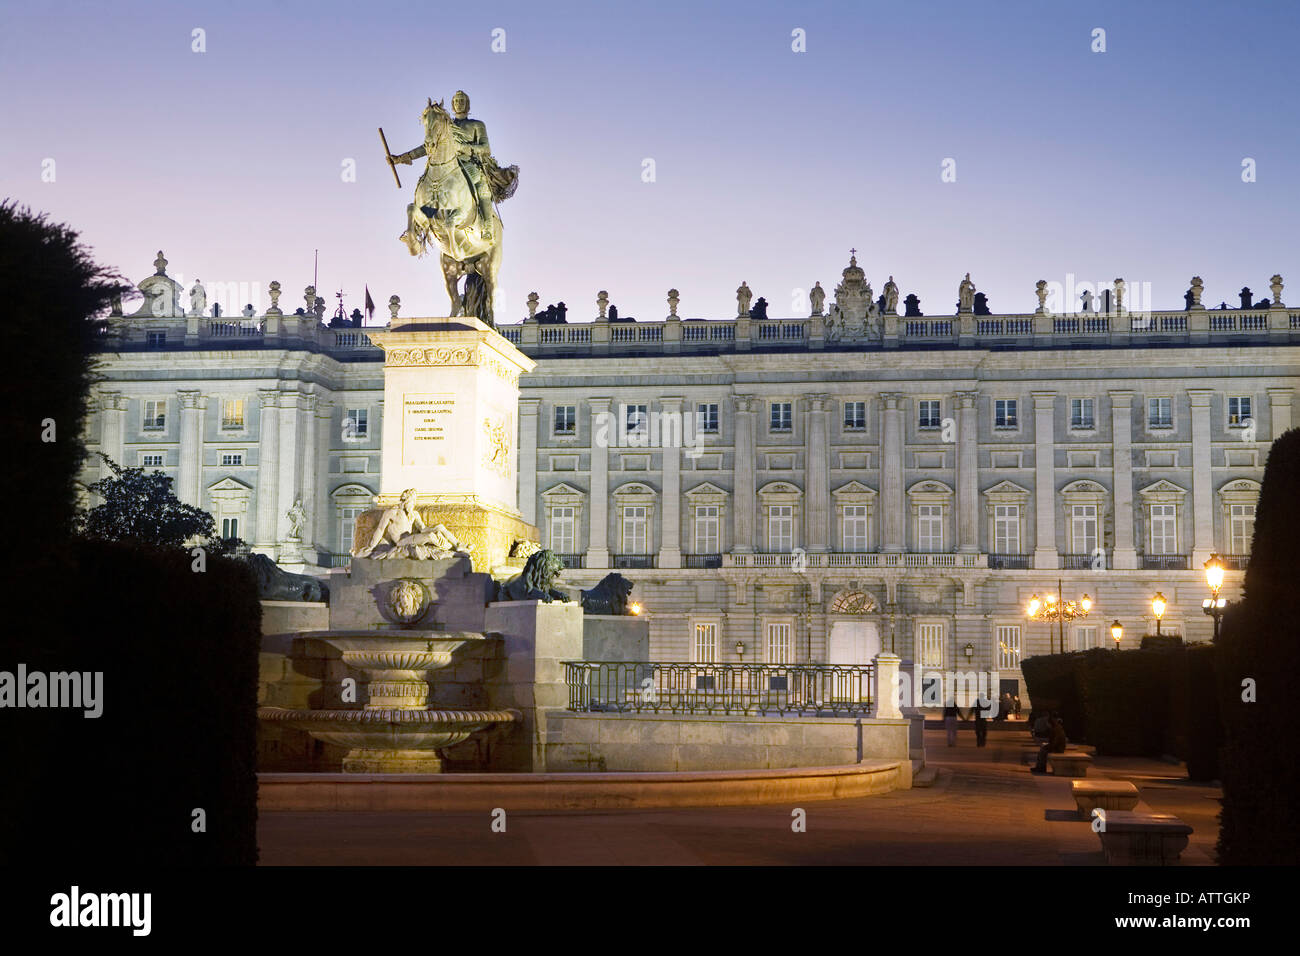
(950, 717)
(981, 721)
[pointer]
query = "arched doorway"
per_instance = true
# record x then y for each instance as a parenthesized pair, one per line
(853, 640)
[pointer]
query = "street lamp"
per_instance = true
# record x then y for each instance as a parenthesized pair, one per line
(970, 651)
(1158, 605)
(740, 649)
(1214, 605)
(1117, 632)
(1054, 609)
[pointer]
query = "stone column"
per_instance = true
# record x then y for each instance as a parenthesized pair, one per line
(528, 412)
(602, 434)
(1124, 557)
(322, 509)
(670, 532)
(968, 519)
(891, 471)
(268, 456)
(1279, 400)
(310, 470)
(887, 691)
(817, 496)
(113, 405)
(188, 479)
(1202, 490)
(288, 490)
(1045, 554)
(743, 470)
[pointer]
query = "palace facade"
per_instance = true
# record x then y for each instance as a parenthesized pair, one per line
(779, 489)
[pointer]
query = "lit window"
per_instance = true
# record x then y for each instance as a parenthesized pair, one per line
(704, 648)
(232, 414)
(1238, 410)
(930, 637)
(1008, 636)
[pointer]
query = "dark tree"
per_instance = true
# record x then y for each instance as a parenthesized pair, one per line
(1259, 663)
(53, 290)
(140, 506)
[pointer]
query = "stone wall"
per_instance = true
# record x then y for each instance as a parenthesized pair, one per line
(679, 742)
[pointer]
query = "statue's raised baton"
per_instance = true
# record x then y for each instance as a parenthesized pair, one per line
(391, 164)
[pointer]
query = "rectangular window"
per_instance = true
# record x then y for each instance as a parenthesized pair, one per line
(929, 528)
(1084, 637)
(232, 459)
(778, 643)
(855, 527)
(1006, 529)
(782, 416)
(636, 419)
(155, 340)
(1008, 636)
(780, 528)
(1083, 528)
(706, 530)
(1081, 417)
(151, 461)
(930, 638)
(566, 420)
(564, 530)
(1242, 530)
(348, 516)
(1160, 413)
(155, 416)
(928, 413)
(1164, 529)
(1004, 413)
(232, 414)
(356, 423)
(704, 647)
(706, 418)
(230, 527)
(855, 416)
(634, 530)
(1238, 410)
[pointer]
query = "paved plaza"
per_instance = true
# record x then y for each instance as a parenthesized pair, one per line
(984, 808)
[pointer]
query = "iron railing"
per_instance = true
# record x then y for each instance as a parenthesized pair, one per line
(1164, 562)
(675, 687)
(1009, 562)
(642, 561)
(703, 560)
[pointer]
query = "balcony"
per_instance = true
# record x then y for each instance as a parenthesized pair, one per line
(1085, 562)
(703, 560)
(1009, 562)
(1235, 562)
(839, 559)
(573, 560)
(636, 561)
(1164, 562)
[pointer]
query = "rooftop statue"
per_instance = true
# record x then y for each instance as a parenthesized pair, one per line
(454, 205)
(402, 533)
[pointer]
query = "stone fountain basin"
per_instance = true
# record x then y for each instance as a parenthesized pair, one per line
(390, 729)
(397, 650)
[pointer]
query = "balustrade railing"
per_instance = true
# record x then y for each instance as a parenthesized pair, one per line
(673, 687)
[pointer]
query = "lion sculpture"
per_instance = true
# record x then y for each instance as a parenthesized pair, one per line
(611, 596)
(537, 581)
(276, 584)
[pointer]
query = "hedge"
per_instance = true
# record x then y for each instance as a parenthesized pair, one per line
(178, 651)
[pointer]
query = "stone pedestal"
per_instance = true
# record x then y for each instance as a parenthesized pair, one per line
(458, 594)
(887, 693)
(537, 639)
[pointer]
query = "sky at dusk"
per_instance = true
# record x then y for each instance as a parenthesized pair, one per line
(769, 164)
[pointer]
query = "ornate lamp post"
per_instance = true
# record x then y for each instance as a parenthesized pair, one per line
(1214, 605)
(1117, 633)
(1054, 609)
(1158, 605)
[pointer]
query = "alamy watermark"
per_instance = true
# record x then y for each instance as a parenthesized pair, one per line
(634, 426)
(60, 689)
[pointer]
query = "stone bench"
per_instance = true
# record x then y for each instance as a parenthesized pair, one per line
(1129, 838)
(1072, 763)
(1106, 794)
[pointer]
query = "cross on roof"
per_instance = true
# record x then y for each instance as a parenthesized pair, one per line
(853, 252)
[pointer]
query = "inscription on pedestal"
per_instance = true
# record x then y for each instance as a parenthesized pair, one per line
(427, 430)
